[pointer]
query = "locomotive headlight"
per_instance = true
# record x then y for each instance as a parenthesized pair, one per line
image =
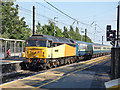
(37, 56)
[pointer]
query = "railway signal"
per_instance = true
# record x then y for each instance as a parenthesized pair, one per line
(111, 34)
(112, 43)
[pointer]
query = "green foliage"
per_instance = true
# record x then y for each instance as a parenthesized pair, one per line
(58, 32)
(88, 39)
(49, 30)
(38, 30)
(71, 33)
(77, 34)
(65, 33)
(12, 26)
(0, 36)
(15, 28)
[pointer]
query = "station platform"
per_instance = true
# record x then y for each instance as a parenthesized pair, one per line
(86, 74)
(9, 66)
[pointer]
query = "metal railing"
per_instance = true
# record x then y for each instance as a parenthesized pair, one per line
(15, 46)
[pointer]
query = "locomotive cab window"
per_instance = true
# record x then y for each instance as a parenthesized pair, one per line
(49, 44)
(38, 43)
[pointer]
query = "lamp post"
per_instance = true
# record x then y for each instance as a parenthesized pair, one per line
(102, 40)
(54, 24)
(82, 35)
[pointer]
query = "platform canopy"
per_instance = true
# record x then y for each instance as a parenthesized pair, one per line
(11, 40)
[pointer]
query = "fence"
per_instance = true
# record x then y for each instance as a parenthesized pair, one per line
(15, 46)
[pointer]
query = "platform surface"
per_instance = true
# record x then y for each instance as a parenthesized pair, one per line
(9, 62)
(79, 75)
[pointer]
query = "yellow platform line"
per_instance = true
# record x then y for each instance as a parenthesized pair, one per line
(69, 74)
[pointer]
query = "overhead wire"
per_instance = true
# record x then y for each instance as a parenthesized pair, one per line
(65, 13)
(29, 11)
(41, 16)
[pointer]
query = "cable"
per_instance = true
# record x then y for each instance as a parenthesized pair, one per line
(66, 14)
(47, 8)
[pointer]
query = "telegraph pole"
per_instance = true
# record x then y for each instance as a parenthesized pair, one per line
(102, 40)
(54, 25)
(85, 35)
(118, 23)
(33, 20)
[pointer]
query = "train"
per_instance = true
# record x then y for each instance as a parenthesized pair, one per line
(45, 51)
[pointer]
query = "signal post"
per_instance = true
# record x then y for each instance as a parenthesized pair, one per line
(115, 51)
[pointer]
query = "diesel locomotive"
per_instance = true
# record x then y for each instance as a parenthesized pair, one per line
(44, 51)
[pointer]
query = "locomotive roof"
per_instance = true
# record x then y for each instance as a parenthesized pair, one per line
(51, 38)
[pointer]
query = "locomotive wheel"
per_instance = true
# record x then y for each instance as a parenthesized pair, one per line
(44, 66)
(65, 62)
(23, 66)
(54, 64)
(68, 61)
(58, 63)
(71, 61)
(49, 66)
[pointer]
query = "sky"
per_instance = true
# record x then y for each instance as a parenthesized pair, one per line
(101, 13)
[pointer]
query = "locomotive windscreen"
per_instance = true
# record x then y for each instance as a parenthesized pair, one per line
(37, 43)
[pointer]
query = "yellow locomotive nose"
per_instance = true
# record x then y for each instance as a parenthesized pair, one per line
(36, 52)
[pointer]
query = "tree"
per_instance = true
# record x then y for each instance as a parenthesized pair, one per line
(0, 36)
(12, 26)
(65, 33)
(49, 29)
(88, 39)
(44, 29)
(39, 30)
(77, 34)
(58, 32)
(71, 33)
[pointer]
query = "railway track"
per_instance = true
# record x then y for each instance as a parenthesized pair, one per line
(54, 73)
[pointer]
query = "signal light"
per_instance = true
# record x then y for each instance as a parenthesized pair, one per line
(111, 34)
(108, 27)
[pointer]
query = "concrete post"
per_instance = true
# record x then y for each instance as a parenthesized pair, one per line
(22, 46)
(117, 63)
(14, 48)
(113, 63)
(10, 47)
(5, 53)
